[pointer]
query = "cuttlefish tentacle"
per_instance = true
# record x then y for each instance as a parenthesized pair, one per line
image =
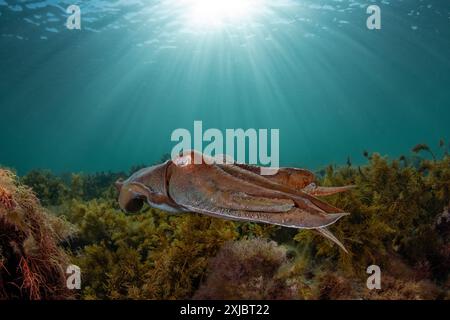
(297, 179)
(293, 178)
(232, 191)
(314, 190)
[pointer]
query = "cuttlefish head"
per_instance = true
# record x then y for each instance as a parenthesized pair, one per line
(146, 185)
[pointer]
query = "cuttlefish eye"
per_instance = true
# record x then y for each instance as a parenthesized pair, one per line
(130, 200)
(134, 205)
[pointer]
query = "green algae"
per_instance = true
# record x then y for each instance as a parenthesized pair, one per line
(398, 221)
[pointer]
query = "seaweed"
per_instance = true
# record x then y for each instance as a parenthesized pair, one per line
(423, 147)
(399, 221)
(32, 265)
(151, 255)
(247, 269)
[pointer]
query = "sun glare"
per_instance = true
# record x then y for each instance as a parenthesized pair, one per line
(216, 13)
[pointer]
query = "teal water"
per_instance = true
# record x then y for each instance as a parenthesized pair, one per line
(108, 96)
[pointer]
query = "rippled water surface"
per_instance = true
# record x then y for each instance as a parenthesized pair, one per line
(109, 95)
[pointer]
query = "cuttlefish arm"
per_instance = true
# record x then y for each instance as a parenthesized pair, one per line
(314, 190)
(293, 178)
(304, 200)
(296, 179)
(300, 181)
(211, 190)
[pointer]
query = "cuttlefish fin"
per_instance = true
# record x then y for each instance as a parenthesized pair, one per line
(327, 234)
(295, 218)
(314, 190)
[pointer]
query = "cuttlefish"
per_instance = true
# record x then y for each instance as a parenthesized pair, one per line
(232, 191)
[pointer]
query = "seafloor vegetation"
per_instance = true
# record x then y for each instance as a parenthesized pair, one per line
(400, 221)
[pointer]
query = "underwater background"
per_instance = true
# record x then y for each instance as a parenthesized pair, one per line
(108, 96)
